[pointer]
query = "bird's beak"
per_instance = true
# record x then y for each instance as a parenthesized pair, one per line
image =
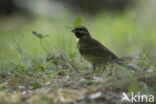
(73, 31)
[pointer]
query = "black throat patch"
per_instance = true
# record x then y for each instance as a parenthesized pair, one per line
(79, 35)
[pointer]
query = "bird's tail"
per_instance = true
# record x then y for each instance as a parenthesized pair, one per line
(124, 64)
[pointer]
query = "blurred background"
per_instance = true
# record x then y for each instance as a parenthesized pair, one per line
(127, 27)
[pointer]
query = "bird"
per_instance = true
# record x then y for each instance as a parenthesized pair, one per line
(94, 51)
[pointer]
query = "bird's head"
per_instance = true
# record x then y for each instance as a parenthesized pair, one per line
(80, 31)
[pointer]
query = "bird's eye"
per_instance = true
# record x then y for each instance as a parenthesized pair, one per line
(81, 28)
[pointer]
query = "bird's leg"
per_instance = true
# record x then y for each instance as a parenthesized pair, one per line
(94, 68)
(111, 72)
(103, 68)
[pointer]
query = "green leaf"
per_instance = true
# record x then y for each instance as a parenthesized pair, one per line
(133, 88)
(77, 22)
(35, 84)
(50, 74)
(90, 82)
(38, 35)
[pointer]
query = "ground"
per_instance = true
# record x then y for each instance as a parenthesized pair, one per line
(56, 80)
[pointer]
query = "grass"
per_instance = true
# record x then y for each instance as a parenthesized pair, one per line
(56, 81)
(44, 71)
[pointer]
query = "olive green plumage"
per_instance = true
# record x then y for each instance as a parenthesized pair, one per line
(92, 50)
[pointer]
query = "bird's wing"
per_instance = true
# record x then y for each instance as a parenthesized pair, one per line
(95, 48)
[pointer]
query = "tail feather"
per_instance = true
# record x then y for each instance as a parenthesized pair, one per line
(123, 64)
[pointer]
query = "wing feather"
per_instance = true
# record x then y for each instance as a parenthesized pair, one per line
(93, 48)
